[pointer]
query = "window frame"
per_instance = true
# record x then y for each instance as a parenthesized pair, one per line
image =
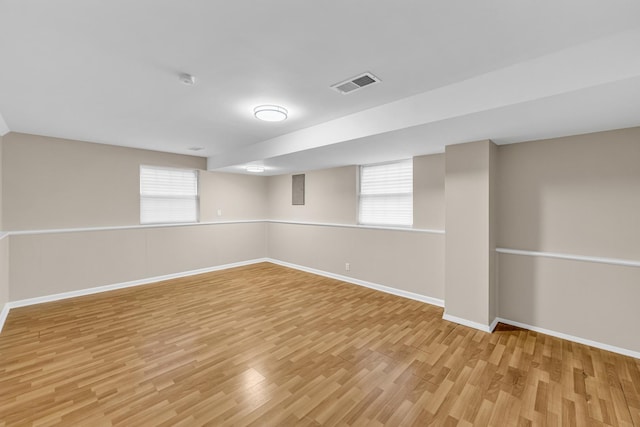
(360, 195)
(196, 173)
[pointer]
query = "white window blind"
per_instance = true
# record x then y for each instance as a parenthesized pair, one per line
(386, 194)
(168, 195)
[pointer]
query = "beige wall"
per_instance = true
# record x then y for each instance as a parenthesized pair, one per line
(405, 260)
(588, 300)
(1, 181)
(4, 249)
(237, 196)
(578, 195)
(468, 257)
(493, 232)
(54, 183)
(46, 264)
(4, 272)
(428, 192)
(330, 196)
(59, 183)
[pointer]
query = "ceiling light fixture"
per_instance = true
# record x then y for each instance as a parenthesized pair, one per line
(270, 113)
(255, 168)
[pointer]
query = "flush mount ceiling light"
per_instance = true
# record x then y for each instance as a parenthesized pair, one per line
(270, 113)
(255, 168)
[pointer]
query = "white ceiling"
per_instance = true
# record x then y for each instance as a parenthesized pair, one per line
(452, 71)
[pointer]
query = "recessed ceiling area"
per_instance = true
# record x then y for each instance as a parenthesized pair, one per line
(450, 72)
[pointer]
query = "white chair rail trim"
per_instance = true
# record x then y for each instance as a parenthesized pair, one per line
(602, 260)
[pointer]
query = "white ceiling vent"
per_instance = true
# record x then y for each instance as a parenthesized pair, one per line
(355, 83)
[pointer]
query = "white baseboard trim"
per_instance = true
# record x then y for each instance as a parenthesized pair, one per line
(3, 315)
(105, 288)
(602, 346)
(470, 323)
(387, 289)
(493, 324)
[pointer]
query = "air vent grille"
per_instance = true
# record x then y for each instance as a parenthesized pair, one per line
(347, 87)
(364, 81)
(355, 83)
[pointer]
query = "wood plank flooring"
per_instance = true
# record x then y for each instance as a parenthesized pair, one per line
(265, 345)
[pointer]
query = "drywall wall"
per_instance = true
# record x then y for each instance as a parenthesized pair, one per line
(58, 183)
(47, 263)
(493, 233)
(593, 301)
(577, 195)
(4, 249)
(330, 196)
(1, 180)
(51, 263)
(4, 271)
(405, 260)
(53, 183)
(428, 192)
(409, 261)
(234, 196)
(468, 271)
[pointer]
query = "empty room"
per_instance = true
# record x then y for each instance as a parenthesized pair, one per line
(329, 213)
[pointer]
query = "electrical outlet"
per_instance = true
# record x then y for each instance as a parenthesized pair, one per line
(219, 212)
(347, 266)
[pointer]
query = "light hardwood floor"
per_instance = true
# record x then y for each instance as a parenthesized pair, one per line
(270, 346)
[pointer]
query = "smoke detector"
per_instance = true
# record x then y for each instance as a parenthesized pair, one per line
(355, 83)
(187, 79)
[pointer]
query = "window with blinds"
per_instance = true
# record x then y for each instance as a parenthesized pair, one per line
(386, 194)
(168, 195)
